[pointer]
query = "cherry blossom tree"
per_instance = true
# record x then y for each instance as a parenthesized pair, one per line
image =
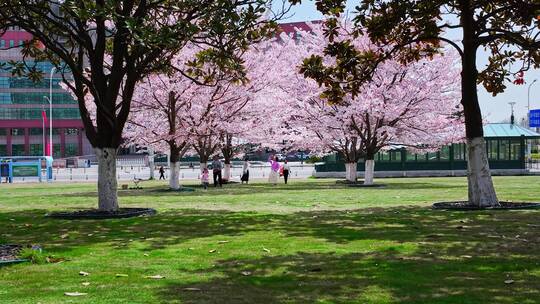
(414, 105)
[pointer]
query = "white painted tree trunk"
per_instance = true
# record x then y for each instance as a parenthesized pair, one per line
(369, 172)
(151, 162)
(350, 172)
(203, 165)
(174, 179)
(227, 172)
(481, 190)
(107, 183)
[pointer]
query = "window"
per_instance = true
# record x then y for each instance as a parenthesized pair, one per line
(432, 156)
(17, 150)
(444, 153)
(411, 157)
(384, 156)
(515, 149)
(71, 150)
(2, 44)
(492, 149)
(12, 43)
(39, 98)
(36, 131)
(395, 156)
(36, 149)
(504, 149)
(459, 151)
(56, 151)
(3, 132)
(3, 150)
(17, 132)
(72, 131)
(35, 113)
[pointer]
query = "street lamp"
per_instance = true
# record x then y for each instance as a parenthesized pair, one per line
(529, 95)
(50, 100)
(512, 103)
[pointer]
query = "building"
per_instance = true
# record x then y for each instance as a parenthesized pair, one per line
(506, 145)
(21, 105)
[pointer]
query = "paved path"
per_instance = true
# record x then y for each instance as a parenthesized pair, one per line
(127, 173)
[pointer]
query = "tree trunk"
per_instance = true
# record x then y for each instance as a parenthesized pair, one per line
(481, 189)
(227, 172)
(151, 162)
(369, 171)
(174, 179)
(350, 172)
(107, 183)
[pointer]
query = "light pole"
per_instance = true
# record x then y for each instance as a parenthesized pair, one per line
(44, 130)
(50, 100)
(529, 94)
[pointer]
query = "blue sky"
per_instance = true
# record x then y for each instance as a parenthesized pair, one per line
(494, 109)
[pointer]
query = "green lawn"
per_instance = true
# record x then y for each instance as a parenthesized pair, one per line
(309, 242)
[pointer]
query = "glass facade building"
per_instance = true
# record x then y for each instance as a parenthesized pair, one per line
(22, 102)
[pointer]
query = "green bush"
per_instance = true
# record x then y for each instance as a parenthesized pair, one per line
(313, 159)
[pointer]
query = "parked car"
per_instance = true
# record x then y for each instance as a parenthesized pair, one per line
(281, 157)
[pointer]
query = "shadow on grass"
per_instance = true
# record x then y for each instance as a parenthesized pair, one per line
(265, 188)
(456, 257)
(485, 229)
(382, 277)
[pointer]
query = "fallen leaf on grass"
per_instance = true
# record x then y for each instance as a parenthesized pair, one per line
(192, 289)
(85, 283)
(509, 282)
(223, 242)
(155, 277)
(83, 273)
(466, 256)
(266, 250)
(63, 236)
(53, 260)
(146, 254)
(212, 251)
(246, 273)
(121, 275)
(74, 294)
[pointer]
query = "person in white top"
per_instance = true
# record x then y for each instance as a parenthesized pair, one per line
(245, 172)
(286, 171)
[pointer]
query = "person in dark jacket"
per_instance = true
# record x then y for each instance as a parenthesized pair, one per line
(216, 170)
(161, 173)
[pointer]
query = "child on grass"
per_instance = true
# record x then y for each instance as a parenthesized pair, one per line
(204, 178)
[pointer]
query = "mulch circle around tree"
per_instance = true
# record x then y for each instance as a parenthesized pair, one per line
(94, 214)
(359, 184)
(229, 182)
(465, 206)
(9, 254)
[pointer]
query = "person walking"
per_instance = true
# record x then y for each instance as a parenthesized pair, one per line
(274, 170)
(204, 178)
(216, 170)
(286, 171)
(245, 172)
(161, 173)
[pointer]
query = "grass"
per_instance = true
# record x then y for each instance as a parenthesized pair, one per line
(309, 242)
